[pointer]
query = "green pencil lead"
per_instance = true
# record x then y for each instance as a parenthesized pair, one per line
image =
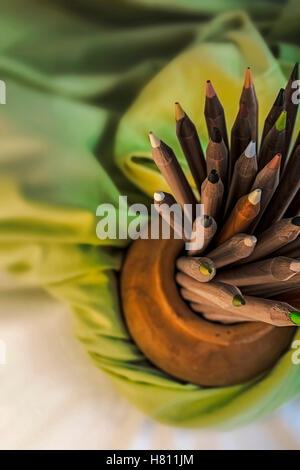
(238, 300)
(295, 317)
(281, 121)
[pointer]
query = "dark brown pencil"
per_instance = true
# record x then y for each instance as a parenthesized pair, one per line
(248, 97)
(274, 142)
(217, 155)
(267, 180)
(190, 143)
(243, 176)
(291, 105)
(274, 114)
(167, 163)
(212, 190)
(294, 207)
(285, 192)
(240, 137)
(214, 113)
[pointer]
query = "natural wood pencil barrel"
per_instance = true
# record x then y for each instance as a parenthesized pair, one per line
(261, 272)
(217, 293)
(237, 247)
(244, 173)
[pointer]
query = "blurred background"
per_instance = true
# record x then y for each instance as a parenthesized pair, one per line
(73, 73)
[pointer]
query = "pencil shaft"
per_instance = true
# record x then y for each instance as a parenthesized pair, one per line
(238, 247)
(260, 272)
(171, 170)
(285, 192)
(291, 106)
(190, 143)
(276, 236)
(212, 197)
(244, 173)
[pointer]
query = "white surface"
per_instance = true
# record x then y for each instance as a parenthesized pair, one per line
(52, 396)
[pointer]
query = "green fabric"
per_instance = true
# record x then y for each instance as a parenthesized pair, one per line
(84, 86)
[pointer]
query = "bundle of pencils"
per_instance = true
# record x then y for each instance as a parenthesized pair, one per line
(250, 245)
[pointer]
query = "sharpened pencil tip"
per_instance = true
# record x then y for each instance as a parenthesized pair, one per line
(281, 121)
(216, 135)
(248, 82)
(255, 196)
(251, 149)
(159, 196)
(213, 176)
(238, 301)
(295, 266)
(250, 240)
(275, 162)
(295, 317)
(210, 91)
(280, 98)
(295, 72)
(179, 113)
(154, 141)
(206, 221)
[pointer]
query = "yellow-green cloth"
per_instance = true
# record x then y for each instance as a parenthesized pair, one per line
(84, 86)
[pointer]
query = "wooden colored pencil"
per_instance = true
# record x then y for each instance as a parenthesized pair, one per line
(292, 249)
(212, 191)
(248, 97)
(217, 293)
(291, 106)
(241, 217)
(206, 225)
(167, 163)
(274, 142)
(285, 192)
(163, 203)
(294, 207)
(273, 289)
(274, 114)
(240, 138)
(215, 315)
(237, 247)
(201, 269)
(217, 155)
(261, 272)
(267, 180)
(276, 236)
(243, 176)
(269, 311)
(190, 143)
(214, 113)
